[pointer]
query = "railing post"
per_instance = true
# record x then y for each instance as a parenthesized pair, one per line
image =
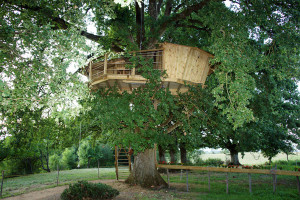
(105, 64)
(90, 71)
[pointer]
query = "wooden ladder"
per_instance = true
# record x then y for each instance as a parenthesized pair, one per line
(122, 162)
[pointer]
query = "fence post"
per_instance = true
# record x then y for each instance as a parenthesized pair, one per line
(298, 184)
(181, 174)
(168, 178)
(250, 186)
(227, 183)
(274, 179)
(57, 181)
(98, 169)
(187, 180)
(2, 183)
(209, 181)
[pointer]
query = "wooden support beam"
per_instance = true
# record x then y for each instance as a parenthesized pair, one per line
(90, 71)
(107, 84)
(231, 170)
(105, 64)
(130, 87)
(179, 87)
(119, 85)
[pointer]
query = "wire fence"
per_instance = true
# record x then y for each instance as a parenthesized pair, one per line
(194, 175)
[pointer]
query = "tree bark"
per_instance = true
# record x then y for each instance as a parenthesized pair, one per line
(183, 157)
(144, 171)
(234, 157)
(173, 155)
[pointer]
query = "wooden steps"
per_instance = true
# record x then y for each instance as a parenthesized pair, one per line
(122, 162)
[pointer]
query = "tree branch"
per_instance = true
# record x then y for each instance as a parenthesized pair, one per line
(193, 27)
(60, 23)
(173, 127)
(177, 17)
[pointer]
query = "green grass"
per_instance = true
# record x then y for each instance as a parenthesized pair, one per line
(22, 184)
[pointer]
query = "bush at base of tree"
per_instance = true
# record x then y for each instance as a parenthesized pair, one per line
(85, 190)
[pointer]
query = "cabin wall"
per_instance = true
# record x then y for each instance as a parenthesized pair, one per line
(185, 63)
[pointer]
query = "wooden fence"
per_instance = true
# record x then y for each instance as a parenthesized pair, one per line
(273, 172)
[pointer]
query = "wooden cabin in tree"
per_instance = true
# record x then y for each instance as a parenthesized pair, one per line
(183, 65)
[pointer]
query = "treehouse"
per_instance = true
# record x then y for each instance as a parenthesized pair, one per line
(182, 64)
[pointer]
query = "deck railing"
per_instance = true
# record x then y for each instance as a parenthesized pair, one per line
(119, 66)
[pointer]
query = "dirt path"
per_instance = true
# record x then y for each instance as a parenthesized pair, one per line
(126, 192)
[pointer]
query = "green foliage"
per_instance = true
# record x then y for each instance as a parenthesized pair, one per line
(85, 153)
(213, 162)
(84, 190)
(69, 158)
(55, 160)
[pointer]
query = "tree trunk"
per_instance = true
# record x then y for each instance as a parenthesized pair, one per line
(183, 153)
(144, 171)
(161, 154)
(234, 157)
(173, 155)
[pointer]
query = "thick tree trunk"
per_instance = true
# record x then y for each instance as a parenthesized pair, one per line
(183, 157)
(173, 155)
(144, 171)
(234, 156)
(161, 154)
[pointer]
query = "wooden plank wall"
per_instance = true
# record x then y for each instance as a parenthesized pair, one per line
(185, 63)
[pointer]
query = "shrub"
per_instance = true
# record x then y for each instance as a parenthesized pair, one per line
(84, 190)
(199, 162)
(214, 162)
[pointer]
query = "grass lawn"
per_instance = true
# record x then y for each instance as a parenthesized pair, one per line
(24, 184)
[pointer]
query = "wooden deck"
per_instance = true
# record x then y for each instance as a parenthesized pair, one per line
(183, 65)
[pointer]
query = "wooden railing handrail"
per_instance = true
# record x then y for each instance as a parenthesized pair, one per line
(232, 170)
